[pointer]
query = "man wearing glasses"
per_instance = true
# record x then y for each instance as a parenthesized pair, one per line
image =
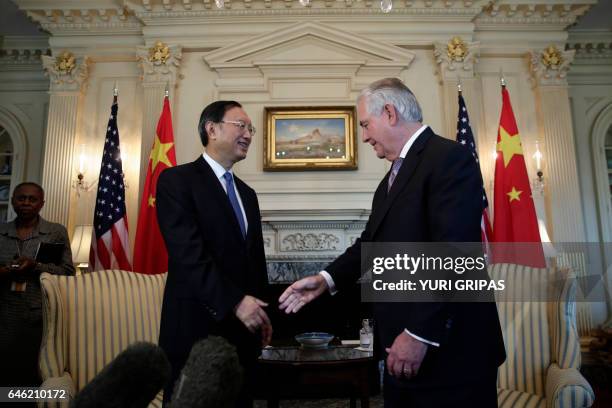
(212, 228)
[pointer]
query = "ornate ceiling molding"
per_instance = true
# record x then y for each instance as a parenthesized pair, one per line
(160, 63)
(539, 15)
(130, 17)
(191, 8)
(591, 44)
(550, 65)
(84, 17)
(66, 72)
(21, 59)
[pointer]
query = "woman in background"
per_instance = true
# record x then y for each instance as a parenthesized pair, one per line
(20, 293)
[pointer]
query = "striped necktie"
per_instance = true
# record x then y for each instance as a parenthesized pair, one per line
(394, 170)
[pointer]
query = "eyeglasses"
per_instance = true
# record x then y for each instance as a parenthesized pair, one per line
(241, 125)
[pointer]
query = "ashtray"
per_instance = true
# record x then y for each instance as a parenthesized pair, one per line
(314, 340)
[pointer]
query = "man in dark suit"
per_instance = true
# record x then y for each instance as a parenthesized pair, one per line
(211, 225)
(437, 354)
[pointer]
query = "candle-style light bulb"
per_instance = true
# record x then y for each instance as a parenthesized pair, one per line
(82, 159)
(538, 157)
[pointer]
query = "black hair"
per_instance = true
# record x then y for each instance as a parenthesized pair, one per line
(31, 184)
(214, 112)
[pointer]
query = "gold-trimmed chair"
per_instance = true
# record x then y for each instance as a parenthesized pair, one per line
(90, 318)
(543, 351)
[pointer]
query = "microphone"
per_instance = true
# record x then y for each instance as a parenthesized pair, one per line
(132, 379)
(211, 377)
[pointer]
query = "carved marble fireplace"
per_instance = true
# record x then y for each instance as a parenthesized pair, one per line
(301, 243)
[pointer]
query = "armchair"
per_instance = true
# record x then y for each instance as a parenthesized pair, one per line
(90, 318)
(543, 351)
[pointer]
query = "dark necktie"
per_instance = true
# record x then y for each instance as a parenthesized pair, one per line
(397, 163)
(231, 194)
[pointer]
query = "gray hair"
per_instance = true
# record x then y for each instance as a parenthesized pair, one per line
(392, 91)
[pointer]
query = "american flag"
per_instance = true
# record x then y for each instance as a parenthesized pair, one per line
(110, 243)
(466, 138)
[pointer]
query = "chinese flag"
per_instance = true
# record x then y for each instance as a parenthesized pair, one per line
(150, 255)
(515, 217)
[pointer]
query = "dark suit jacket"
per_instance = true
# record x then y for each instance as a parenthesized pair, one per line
(210, 266)
(436, 197)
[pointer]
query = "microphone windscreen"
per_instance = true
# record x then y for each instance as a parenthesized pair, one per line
(211, 377)
(132, 379)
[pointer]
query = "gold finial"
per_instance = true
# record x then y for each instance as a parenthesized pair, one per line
(167, 90)
(502, 80)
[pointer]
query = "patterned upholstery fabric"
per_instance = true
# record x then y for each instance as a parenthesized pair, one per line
(90, 318)
(543, 352)
(518, 399)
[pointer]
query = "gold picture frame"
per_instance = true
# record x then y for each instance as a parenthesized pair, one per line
(310, 138)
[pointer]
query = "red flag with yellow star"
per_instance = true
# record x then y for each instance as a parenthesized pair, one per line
(150, 255)
(514, 211)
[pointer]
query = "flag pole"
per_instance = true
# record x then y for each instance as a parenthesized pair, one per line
(115, 92)
(167, 90)
(459, 84)
(502, 80)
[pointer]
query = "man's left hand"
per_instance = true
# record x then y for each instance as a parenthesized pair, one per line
(25, 264)
(405, 356)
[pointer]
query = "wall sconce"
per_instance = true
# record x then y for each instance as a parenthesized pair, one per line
(80, 246)
(538, 182)
(80, 184)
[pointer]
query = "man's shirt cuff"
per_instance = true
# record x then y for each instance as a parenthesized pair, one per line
(330, 282)
(422, 340)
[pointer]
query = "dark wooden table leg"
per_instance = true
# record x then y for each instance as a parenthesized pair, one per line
(365, 402)
(353, 403)
(272, 403)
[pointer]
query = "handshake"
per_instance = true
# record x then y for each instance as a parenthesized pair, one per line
(251, 313)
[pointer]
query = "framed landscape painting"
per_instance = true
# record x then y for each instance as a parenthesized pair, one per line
(309, 138)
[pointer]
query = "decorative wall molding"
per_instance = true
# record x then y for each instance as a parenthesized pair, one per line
(310, 242)
(538, 14)
(160, 63)
(591, 44)
(272, 62)
(456, 58)
(66, 72)
(22, 59)
(23, 53)
(87, 20)
(550, 65)
(187, 8)
(309, 238)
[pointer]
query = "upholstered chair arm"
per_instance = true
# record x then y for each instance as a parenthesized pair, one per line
(566, 387)
(64, 382)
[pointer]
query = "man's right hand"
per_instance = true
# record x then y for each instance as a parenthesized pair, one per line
(251, 314)
(302, 292)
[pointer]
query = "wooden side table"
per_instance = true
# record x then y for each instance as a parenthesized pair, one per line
(333, 372)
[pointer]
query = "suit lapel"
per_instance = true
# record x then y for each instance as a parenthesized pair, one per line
(407, 170)
(219, 194)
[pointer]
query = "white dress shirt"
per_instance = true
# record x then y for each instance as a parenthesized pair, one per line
(219, 172)
(330, 282)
